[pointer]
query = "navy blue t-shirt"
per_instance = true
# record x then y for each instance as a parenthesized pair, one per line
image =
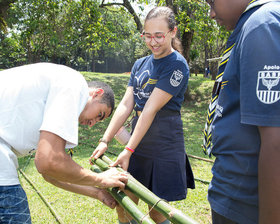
(250, 97)
(169, 74)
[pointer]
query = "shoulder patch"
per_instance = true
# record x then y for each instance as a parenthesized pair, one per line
(176, 78)
(268, 86)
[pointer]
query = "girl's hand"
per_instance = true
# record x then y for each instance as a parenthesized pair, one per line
(123, 159)
(100, 150)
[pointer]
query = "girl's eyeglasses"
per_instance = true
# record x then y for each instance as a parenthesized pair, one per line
(158, 37)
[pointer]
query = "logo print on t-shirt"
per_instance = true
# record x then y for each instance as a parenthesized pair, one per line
(176, 78)
(141, 83)
(268, 86)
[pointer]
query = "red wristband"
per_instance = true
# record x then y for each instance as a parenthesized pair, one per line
(129, 149)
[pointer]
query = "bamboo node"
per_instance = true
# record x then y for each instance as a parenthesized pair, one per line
(171, 213)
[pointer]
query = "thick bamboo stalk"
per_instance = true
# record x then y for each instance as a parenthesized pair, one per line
(131, 208)
(172, 214)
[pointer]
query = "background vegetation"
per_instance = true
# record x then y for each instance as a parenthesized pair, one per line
(100, 35)
(74, 208)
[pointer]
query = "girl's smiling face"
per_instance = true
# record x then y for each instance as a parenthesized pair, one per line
(158, 27)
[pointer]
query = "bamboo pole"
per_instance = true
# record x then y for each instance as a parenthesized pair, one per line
(200, 158)
(57, 218)
(139, 190)
(127, 203)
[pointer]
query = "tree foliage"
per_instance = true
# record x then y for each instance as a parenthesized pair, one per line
(101, 35)
(4, 6)
(76, 33)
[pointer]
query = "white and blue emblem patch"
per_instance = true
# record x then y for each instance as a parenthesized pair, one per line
(176, 78)
(268, 86)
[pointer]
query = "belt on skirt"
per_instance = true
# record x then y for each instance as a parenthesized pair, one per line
(162, 113)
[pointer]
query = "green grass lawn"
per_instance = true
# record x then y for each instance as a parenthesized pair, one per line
(78, 209)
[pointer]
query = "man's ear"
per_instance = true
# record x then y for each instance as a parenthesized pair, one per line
(99, 91)
(96, 92)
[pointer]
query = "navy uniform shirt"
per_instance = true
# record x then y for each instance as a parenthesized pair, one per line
(250, 97)
(169, 74)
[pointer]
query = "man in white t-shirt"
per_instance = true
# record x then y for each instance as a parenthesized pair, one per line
(41, 106)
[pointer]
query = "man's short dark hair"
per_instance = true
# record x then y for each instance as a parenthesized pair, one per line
(108, 97)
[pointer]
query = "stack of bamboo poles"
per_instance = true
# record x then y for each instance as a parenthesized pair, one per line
(134, 186)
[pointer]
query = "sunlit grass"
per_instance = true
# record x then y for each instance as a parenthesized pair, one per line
(77, 209)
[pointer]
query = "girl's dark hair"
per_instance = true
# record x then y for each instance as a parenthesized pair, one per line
(108, 97)
(168, 14)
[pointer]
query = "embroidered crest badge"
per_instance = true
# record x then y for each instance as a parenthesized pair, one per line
(176, 78)
(268, 86)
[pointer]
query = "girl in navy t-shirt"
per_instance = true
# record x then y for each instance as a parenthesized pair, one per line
(155, 154)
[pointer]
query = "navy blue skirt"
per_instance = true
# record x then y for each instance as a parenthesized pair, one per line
(160, 162)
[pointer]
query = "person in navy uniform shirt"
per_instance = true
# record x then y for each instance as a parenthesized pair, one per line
(155, 153)
(245, 188)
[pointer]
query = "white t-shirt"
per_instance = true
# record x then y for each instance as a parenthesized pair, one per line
(36, 97)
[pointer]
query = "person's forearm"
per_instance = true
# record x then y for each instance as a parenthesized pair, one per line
(51, 160)
(269, 187)
(79, 189)
(268, 176)
(156, 101)
(93, 192)
(144, 122)
(120, 116)
(66, 171)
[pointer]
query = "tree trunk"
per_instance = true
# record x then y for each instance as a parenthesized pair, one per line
(137, 20)
(4, 6)
(186, 43)
(130, 9)
(93, 63)
(170, 4)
